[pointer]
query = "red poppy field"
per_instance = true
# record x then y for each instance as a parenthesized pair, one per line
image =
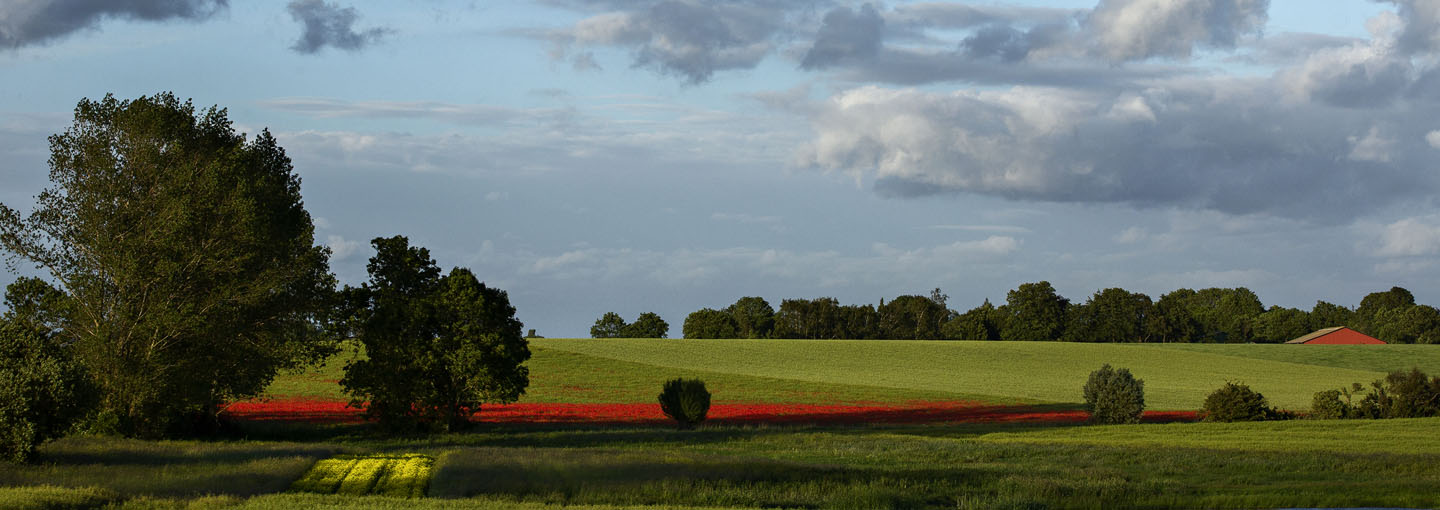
(332, 411)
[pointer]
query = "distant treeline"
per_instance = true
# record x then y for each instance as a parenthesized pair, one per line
(1034, 311)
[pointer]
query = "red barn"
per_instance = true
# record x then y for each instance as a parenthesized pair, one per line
(1339, 335)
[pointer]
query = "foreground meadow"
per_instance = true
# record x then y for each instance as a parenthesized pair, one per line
(822, 461)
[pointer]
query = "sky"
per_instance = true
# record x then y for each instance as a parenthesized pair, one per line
(664, 156)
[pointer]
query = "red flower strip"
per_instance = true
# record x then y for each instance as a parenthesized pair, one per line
(326, 411)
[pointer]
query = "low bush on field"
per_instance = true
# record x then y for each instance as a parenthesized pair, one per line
(41, 389)
(1237, 402)
(1114, 396)
(686, 401)
(1400, 394)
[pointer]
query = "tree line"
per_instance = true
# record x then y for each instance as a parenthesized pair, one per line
(1036, 312)
(182, 276)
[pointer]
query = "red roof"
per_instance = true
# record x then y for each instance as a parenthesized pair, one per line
(1337, 336)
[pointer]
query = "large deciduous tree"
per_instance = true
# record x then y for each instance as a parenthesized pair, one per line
(436, 347)
(1035, 312)
(709, 323)
(648, 325)
(610, 325)
(186, 254)
(912, 318)
(753, 316)
(42, 390)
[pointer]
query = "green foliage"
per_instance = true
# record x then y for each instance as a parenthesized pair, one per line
(754, 318)
(1034, 311)
(610, 325)
(1328, 315)
(1225, 315)
(647, 325)
(186, 254)
(1114, 396)
(1401, 394)
(437, 347)
(709, 323)
(42, 390)
(1280, 325)
(808, 318)
(1375, 302)
(686, 401)
(980, 323)
(1171, 320)
(1237, 402)
(1414, 324)
(912, 318)
(1111, 315)
(1328, 405)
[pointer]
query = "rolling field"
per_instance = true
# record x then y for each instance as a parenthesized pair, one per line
(844, 453)
(1176, 376)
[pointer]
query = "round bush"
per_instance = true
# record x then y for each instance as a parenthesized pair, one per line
(686, 401)
(1237, 402)
(1114, 396)
(1327, 405)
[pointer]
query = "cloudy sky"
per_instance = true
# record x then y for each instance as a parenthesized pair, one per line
(667, 155)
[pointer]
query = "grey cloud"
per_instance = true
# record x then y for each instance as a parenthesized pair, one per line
(1360, 75)
(917, 67)
(469, 114)
(1421, 32)
(685, 38)
(846, 35)
(1287, 48)
(328, 24)
(1008, 44)
(1222, 146)
(954, 15)
(1126, 30)
(23, 23)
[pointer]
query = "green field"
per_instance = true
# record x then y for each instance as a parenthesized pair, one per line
(1302, 463)
(1177, 376)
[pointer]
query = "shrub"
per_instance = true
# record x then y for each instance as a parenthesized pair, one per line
(1328, 406)
(686, 401)
(1114, 396)
(1401, 394)
(1237, 402)
(42, 391)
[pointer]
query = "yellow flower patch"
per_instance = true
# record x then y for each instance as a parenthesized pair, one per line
(404, 475)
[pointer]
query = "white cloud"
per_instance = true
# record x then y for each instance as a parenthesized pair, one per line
(1371, 147)
(1131, 235)
(340, 248)
(496, 196)
(1433, 138)
(744, 218)
(1138, 29)
(1409, 237)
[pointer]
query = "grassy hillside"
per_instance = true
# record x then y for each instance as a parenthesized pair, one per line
(1176, 376)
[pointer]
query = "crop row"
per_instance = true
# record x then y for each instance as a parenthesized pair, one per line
(389, 475)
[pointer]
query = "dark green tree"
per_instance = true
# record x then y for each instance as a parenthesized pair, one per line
(753, 316)
(808, 318)
(979, 323)
(912, 318)
(42, 390)
(647, 325)
(1171, 321)
(710, 323)
(686, 401)
(1414, 324)
(1237, 402)
(1110, 315)
(1035, 312)
(1329, 315)
(857, 322)
(436, 348)
(610, 325)
(1375, 302)
(1225, 315)
(187, 255)
(1280, 325)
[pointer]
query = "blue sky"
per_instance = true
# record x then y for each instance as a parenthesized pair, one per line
(667, 155)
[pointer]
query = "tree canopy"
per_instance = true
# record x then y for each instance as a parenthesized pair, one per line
(436, 347)
(185, 254)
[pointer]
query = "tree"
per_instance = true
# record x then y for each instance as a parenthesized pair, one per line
(912, 318)
(1111, 315)
(808, 318)
(857, 322)
(610, 325)
(647, 325)
(1035, 312)
(187, 257)
(977, 324)
(1376, 302)
(753, 316)
(1329, 315)
(1280, 325)
(436, 348)
(1225, 315)
(1171, 321)
(42, 390)
(1415, 324)
(710, 323)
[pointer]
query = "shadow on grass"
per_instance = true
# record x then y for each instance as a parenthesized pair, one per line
(120, 452)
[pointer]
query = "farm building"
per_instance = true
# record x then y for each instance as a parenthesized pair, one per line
(1339, 335)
